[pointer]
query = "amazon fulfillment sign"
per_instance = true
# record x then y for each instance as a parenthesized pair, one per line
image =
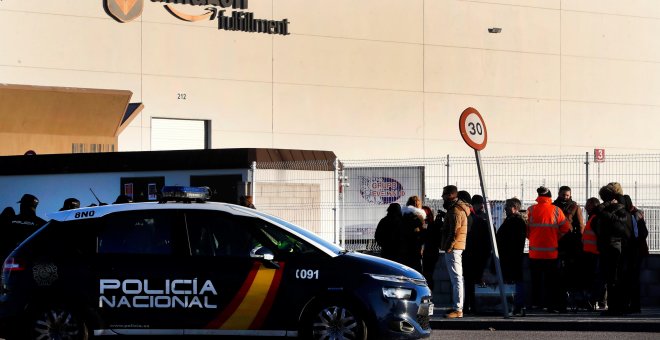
(229, 14)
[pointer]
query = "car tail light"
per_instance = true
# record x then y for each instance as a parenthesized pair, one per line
(12, 264)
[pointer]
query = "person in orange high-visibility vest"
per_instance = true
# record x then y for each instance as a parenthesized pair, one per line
(546, 224)
(594, 284)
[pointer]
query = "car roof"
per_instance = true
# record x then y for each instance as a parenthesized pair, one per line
(237, 210)
(100, 211)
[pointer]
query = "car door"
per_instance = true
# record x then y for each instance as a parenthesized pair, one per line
(240, 285)
(138, 264)
(306, 273)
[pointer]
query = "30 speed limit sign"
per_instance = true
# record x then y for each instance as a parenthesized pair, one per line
(473, 129)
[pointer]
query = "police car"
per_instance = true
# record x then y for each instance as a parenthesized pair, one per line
(189, 268)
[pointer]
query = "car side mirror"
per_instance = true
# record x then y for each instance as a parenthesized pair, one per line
(266, 255)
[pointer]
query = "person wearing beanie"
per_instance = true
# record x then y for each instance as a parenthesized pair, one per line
(546, 224)
(613, 228)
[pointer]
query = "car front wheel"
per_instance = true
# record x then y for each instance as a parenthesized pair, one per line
(337, 321)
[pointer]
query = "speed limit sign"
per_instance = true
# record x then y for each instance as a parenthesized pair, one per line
(473, 129)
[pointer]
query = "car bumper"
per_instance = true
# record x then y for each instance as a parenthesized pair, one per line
(399, 318)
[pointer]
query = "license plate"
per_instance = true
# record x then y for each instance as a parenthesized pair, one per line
(430, 309)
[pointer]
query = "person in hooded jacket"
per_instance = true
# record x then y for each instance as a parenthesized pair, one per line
(613, 226)
(387, 232)
(413, 217)
(454, 234)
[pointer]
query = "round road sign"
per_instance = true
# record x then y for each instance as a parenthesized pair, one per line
(473, 129)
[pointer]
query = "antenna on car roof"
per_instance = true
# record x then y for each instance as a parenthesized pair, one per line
(100, 203)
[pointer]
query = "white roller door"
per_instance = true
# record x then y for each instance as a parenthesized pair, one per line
(177, 134)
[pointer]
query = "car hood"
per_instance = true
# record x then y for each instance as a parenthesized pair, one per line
(377, 265)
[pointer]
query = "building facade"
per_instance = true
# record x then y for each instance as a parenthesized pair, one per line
(365, 79)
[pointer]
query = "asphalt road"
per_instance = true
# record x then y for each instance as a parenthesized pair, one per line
(505, 335)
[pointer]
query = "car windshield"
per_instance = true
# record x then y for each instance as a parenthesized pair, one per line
(306, 233)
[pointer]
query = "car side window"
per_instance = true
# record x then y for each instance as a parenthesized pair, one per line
(217, 234)
(136, 232)
(281, 241)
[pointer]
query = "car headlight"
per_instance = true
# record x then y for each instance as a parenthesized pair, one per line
(397, 293)
(398, 279)
(389, 278)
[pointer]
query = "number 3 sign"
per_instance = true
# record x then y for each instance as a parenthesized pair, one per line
(473, 129)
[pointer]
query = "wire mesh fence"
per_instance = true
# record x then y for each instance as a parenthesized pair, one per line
(343, 201)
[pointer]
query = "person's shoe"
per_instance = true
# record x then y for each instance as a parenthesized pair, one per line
(517, 311)
(601, 306)
(454, 314)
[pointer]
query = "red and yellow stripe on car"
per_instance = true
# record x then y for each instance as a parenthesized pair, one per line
(249, 308)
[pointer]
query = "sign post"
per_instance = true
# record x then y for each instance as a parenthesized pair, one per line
(473, 131)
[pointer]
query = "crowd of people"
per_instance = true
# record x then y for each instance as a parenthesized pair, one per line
(587, 262)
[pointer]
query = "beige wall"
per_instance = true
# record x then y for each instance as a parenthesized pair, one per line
(365, 79)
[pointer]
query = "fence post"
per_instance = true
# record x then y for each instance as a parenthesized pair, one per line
(586, 183)
(447, 165)
(336, 199)
(253, 181)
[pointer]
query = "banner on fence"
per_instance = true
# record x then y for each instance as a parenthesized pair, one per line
(371, 191)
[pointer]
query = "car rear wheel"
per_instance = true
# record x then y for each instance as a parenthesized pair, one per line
(57, 323)
(337, 321)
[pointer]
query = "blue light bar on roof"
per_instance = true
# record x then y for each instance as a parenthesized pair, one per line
(185, 194)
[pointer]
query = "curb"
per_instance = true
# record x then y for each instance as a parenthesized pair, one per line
(648, 321)
(652, 326)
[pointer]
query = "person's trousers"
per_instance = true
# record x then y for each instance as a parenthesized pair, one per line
(454, 261)
(429, 259)
(545, 288)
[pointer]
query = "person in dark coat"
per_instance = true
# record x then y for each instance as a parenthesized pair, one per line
(638, 251)
(570, 249)
(511, 247)
(25, 223)
(431, 237)
(613, 232)
(6, 245)
(411, 235)
(387, 232)
(477, 250)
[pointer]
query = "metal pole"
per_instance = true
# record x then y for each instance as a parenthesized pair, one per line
(253, 182)
(343, 211)
(491, 230)
(586, 162)
(336, 198)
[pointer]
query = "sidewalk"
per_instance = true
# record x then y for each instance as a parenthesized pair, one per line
(647, 321)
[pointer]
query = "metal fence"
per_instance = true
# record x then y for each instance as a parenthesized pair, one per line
(344, 201)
